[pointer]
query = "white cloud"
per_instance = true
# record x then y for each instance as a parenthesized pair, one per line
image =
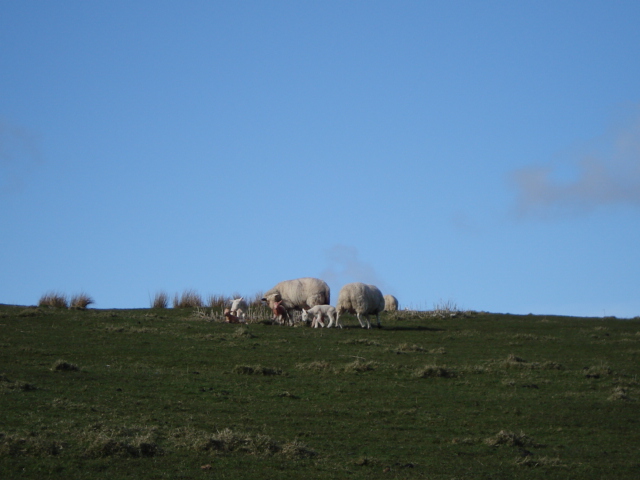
(610, 176)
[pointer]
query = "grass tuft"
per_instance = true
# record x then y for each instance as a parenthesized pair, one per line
(188, 299)
(160, 300)
(432, 371)
(256, 370)
(80, 301)
(53, 300)
(511, 439)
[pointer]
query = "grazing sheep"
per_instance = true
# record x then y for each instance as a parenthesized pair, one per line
(298, 294)
(361, 300)
(239, 307)
(319, 312)
(390, 303)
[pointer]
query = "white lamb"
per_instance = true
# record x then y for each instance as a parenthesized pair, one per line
(298, 294)
(390, 303)
(361, 300)
(239, 307)
(319, 312)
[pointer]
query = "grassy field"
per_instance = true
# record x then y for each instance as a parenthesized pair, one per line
(167, 393)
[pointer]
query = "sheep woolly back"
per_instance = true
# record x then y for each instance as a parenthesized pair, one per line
(390, 303)
(300, 293)
(360, 298)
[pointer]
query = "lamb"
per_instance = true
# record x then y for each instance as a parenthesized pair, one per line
(239, 307)
(280, 314)
(390, 303)
(318, 313)
(298, 294)
(231, 318)
(359, 299)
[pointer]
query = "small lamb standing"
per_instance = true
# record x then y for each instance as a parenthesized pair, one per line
(362, 300)
(319, 312)
(390, 303)
(239, 307)
(298, 294)
(280, 314)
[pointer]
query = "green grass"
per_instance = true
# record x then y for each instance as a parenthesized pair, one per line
(164, 393)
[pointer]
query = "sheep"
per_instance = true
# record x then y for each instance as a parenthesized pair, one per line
(239, 307)
(359, 299)
(298, 294)
(390, 303)
(318, 313)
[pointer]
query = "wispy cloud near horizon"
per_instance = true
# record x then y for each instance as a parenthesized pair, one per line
(344, 266)
(603, 178)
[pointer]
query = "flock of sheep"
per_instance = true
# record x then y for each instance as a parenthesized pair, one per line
(312, 296)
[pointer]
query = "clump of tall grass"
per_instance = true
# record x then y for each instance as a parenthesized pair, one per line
(256, 370)
(80, 301)
(54, 300)
(317, 366)
(434, 371)
(217, 301)
(160, 300)
(188, 299)
(511, 439)
(359, 366)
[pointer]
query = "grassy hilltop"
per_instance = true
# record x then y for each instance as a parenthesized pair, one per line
(171, 393)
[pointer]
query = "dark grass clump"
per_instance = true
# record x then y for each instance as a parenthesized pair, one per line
(433, 371)
(28, 446)
(80, 301)
(511, 439)
(7, 385)
(53, 300)
(255, 370)
(63, 366)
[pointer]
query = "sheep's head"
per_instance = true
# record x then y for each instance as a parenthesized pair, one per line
(272, 299)
(236, 303)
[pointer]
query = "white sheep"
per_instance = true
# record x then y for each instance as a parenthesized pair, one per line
(359, 299)
(239, 307)
(298, 294)
(319, 312)
(390, 303)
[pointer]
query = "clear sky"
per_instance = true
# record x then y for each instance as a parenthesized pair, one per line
(481, 152)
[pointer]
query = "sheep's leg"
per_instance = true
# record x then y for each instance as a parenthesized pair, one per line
(318, 320)
(378, 319)
(360, 319)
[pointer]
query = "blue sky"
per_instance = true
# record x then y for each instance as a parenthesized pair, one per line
(485, 153)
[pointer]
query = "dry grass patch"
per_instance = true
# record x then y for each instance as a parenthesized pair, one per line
(533, 461)
(188, 299)
(54, 300)
(511, 439)
(316, 366)
(359, 366)
(80, 301)
(619, 393)
(160, 300)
